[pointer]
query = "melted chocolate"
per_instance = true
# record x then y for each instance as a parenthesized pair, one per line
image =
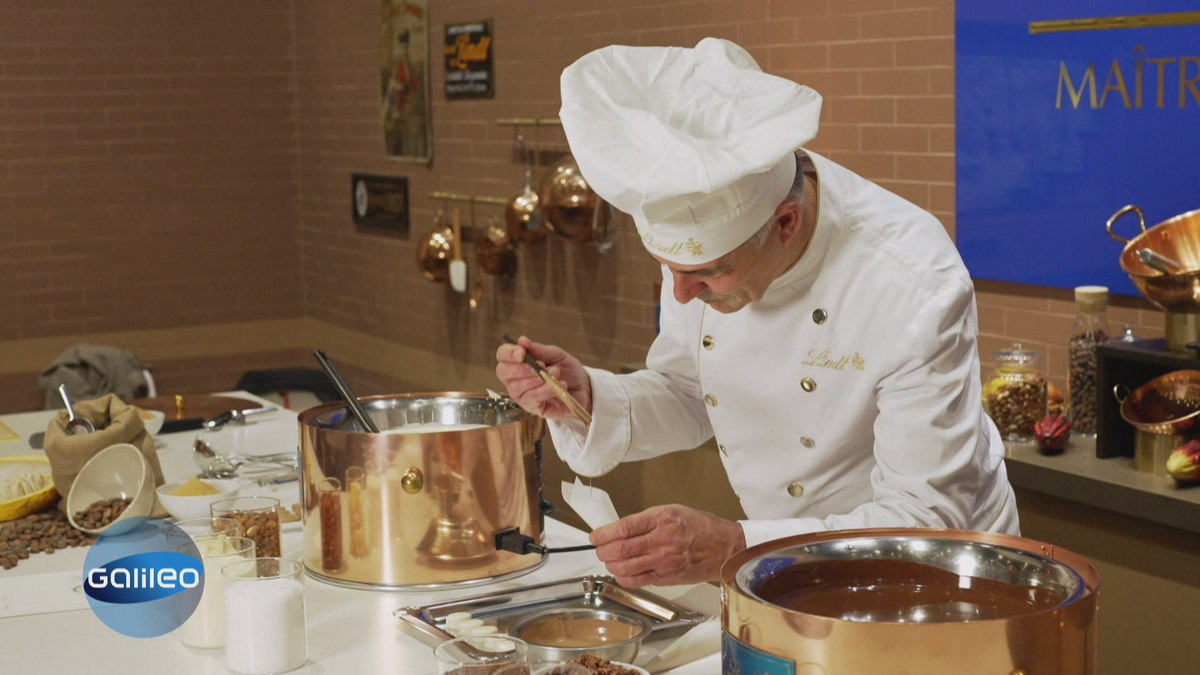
(897, 590)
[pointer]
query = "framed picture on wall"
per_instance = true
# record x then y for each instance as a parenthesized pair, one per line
(404, 109)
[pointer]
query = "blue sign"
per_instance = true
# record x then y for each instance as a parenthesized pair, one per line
(1068, 110)
(739, 658)
(146, 579)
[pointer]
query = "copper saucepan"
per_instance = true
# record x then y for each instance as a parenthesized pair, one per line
(1177, 239)
(1168, 405)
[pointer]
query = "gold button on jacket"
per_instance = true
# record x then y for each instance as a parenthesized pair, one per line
(710, 400)
(796, 490)
(708, 342)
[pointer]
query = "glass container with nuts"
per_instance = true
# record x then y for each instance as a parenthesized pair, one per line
(259, 517)
(1016, 396)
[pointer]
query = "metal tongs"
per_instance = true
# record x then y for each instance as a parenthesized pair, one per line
(235, 417)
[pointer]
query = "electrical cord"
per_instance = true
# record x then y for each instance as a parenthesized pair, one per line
(513, 541)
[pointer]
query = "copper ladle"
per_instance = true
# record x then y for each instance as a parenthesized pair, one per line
(435, 250)
(522, 214)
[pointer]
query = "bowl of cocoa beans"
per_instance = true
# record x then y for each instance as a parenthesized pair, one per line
(113, 487)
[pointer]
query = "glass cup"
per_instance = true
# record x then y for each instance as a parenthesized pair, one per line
(483, 655)
(193, 527)
(259, 517)
(205, 628)
(265, 628)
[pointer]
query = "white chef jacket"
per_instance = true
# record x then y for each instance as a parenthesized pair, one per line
(847, 397)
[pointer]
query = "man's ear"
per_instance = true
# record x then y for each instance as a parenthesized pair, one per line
(788, 215)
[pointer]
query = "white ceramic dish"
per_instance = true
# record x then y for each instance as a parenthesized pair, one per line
(117, 471)
(152, 419)
(186, 508)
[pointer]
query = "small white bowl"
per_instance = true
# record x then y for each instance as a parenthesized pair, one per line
(117, 471)
(186, 508)
(152, 419)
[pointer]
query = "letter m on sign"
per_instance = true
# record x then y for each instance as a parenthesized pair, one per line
(1089, 83)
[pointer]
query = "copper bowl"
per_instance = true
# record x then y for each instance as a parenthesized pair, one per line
(495, 251)
(1178, 239)
(1168, 405)
(434, 253)
(567, 201)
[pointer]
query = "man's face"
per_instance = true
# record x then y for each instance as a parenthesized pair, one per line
(728, 283)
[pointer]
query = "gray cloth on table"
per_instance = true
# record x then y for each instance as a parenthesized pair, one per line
(91, 371)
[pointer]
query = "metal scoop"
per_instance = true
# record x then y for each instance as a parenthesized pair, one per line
(1157, 261)
(75, 425)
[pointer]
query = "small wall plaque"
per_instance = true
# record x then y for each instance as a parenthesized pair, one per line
(469, 60)
(381, 201)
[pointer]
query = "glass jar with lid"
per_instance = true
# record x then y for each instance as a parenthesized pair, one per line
(1090, 330)
(1015, 397)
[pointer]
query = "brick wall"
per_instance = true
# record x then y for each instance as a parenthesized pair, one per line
(885, 68)
(202, 151)
(147, 167)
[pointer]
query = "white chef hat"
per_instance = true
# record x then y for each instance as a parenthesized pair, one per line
(696, 144)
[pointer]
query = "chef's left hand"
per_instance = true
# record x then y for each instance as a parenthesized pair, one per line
(667, 545)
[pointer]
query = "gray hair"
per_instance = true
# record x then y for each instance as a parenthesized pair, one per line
(796, 194)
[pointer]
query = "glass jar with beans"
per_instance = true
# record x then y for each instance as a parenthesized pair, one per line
(1015, 397)
(1090, 330)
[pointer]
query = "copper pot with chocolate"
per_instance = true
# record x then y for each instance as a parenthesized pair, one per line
(417, 505)
(909, 601)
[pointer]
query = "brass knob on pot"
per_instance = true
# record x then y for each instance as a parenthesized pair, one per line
(412, 481)
(568, 202)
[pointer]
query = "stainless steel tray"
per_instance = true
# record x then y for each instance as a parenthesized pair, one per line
(667, 618)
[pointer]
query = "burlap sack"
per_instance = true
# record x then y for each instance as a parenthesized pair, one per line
(115, 423)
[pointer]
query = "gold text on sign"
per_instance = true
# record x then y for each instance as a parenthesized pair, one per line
(820, 358)
(468, 52)
(1184, 70)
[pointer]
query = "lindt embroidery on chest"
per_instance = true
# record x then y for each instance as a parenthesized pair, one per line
(820, 358)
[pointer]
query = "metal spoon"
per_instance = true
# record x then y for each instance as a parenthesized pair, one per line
(75, 425)
(348, 395)
(216, 465)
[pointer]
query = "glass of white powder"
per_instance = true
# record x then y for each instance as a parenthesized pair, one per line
(264, 616)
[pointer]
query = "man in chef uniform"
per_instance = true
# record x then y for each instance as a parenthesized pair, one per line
(821, 327)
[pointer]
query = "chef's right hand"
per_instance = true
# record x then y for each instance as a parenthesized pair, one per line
(526, 386)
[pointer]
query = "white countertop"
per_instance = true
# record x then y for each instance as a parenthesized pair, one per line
(349, 631)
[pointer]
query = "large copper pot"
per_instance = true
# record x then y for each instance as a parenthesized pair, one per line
(412, 507)
(908, 602)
